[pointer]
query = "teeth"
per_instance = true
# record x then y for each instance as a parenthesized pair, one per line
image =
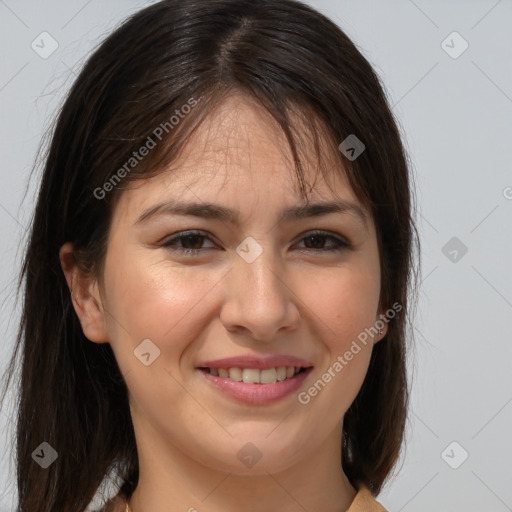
(251, 376)
(268, 376)
(255, 376)
(235, 374)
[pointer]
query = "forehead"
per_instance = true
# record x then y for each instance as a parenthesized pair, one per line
(240, 153)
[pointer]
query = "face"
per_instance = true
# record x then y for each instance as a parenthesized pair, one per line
(266, 290)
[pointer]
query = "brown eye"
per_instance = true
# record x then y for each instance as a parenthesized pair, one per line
(316, 242)
(190, 241)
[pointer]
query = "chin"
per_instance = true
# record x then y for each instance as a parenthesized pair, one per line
(257, 454)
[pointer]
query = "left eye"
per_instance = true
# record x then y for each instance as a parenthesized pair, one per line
(338, 243)
(196, 238)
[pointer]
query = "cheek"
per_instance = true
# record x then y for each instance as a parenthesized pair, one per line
(344, 299)
(149, 299)
(169, 306)
(345, 304)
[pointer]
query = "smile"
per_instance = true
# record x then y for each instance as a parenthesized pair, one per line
(253, 386)
(254, 375)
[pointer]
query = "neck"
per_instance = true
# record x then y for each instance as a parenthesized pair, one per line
(168, 476)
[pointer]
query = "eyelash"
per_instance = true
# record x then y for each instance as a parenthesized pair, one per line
(340, 245)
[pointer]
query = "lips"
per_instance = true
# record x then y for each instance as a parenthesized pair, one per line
(256, 380)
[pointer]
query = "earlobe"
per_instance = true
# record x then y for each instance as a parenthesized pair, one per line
(382, 327)
(85, 296)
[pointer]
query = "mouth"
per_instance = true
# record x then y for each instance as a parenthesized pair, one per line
(254, 375)
(255, 379)
(254, 386)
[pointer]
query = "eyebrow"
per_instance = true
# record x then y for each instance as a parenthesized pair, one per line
(223, 213)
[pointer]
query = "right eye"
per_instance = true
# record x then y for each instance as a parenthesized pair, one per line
(192, 238)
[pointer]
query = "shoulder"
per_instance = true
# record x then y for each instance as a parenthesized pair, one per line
(365, 502)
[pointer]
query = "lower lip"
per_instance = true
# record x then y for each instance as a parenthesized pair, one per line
(257, 394)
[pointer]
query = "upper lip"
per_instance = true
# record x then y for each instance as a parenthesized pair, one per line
(260, 363)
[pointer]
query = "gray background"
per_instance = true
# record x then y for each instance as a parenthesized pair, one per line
(456, 116)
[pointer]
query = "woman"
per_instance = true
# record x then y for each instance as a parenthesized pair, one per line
(193, 320)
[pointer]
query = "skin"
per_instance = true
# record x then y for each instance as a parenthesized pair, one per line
(293, 299)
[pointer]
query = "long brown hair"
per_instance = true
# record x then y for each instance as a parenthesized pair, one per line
(289, 58)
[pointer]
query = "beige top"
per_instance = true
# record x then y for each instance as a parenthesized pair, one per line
(363, 502)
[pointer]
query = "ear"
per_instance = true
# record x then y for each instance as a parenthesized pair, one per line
(85, 296)
(382, 325)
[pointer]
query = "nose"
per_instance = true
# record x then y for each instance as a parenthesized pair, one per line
(259, 303)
